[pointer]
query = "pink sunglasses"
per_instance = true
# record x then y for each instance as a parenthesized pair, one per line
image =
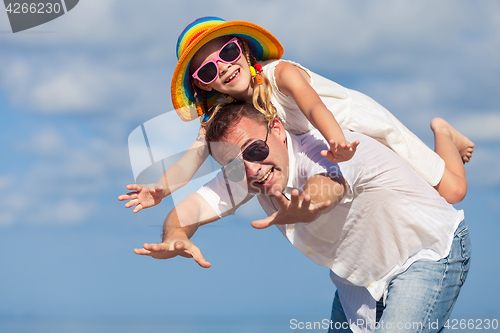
(209, 71)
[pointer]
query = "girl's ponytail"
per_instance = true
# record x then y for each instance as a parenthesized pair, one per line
(262, 90)
(201, 107)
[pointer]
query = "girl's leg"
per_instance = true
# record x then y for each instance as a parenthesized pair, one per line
(455, 149)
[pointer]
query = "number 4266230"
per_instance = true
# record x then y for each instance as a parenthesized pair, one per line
(472, 324)
(33, 8)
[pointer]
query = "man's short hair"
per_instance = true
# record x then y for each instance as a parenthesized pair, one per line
(226, 116)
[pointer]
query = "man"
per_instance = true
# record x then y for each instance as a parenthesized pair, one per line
(397, 251)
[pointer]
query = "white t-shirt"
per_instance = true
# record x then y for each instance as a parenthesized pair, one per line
(388, 218)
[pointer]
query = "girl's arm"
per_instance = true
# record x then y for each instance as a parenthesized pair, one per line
(295, 82)
(184, 169)
(145, 196)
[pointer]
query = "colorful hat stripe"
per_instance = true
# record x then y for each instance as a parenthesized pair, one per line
(192, 31)
(262, 44)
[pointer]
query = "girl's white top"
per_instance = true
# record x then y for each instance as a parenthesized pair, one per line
(357, 112)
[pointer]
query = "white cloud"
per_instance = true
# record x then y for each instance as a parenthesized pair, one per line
(403, 95)
(66, 211)
(15, 202)
(5, 182)
(64, 86)
(480, 126)
(66, 92)
(65, 182)
(46, 141)
(6, 219)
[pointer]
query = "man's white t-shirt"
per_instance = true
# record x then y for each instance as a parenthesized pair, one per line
(388, 218)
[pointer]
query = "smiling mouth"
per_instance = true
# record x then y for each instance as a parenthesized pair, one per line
(236, 72)
(266, 177)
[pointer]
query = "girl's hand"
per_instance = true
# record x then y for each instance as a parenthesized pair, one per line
(144, 196)
(298, 209)
(341, 152)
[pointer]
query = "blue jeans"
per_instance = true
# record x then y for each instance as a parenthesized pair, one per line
(421, 298)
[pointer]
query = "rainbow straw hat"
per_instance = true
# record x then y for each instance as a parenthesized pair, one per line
(261, 42)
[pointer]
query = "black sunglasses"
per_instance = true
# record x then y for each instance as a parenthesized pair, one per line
(257, 151)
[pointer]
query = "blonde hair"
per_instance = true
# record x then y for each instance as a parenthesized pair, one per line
(261, 92)
(261, 98)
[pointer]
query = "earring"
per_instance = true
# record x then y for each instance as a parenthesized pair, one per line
(255, 71)
(259, 79)
(199, 110)
(252, 71)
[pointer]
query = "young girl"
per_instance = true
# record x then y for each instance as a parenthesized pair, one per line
(223, 61)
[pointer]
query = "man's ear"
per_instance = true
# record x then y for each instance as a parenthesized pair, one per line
(278, 127)
(202, 85)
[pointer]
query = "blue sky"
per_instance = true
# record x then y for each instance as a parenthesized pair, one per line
(72, 90)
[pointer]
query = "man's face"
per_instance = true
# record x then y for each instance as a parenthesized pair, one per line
(269, 175)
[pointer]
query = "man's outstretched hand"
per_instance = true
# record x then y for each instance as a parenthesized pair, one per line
(172, 248)
(298, 209)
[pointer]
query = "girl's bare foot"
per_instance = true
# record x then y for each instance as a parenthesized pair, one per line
(464, 146)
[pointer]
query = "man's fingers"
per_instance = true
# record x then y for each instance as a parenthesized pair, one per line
(142, 252)
(264, 223)
(150, 249)
(321, 206)
(282, 200)
(294, 198)
(188, 249)
(306, 202)
(149, 246)
(202, 262)
(261, 224)
(168, 250)
(195, 252)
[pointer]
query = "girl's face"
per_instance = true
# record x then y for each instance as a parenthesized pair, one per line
(234, 79)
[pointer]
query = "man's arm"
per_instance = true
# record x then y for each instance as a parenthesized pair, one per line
(180, 225)
(321, 194)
